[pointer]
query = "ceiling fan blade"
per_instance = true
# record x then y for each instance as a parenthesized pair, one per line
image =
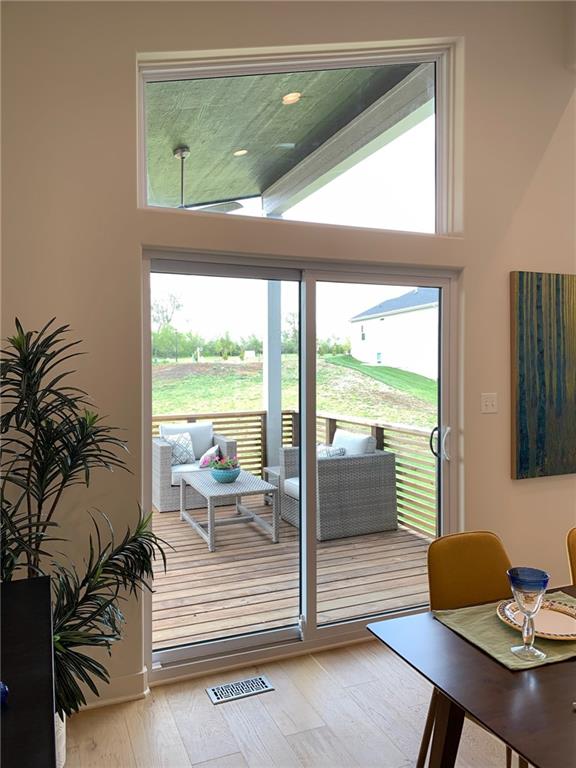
(233, 205)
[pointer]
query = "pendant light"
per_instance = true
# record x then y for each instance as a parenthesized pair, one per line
(181, 153)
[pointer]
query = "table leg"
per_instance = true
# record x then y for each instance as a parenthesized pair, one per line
(182, 497)
(275, 516)
(211, 526)
(427, 734)
(448, 721)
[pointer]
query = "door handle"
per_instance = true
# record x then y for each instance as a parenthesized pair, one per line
(444, 452)
(431, 441)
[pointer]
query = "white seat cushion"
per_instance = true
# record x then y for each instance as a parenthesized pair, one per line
(292, 487)
(353, 443)
(202, 435)
(178, 469)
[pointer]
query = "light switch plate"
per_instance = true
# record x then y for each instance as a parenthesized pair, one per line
(489, 402)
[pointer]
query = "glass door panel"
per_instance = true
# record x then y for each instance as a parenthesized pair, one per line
(225, 385)
(377, 398)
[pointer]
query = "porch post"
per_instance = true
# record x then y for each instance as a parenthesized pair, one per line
(272, 380)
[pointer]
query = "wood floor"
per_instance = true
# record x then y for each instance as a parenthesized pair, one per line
(356, 707)
(250, 584)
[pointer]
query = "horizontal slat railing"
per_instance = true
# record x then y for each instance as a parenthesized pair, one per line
(248, 428)
(415, 465)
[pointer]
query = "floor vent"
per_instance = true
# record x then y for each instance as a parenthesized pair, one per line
(239, 689)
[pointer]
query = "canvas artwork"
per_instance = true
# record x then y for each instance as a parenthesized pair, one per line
(543, 374)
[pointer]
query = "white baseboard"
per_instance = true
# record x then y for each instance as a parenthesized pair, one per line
(121, 689)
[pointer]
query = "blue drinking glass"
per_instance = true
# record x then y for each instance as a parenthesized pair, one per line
(528, 587)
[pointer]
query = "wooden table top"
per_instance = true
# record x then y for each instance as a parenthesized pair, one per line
(530, 710)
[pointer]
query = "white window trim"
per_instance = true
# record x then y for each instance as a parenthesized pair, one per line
(445, 54)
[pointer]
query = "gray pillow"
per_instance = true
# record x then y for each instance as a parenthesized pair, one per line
(182, 448)
(327, 451)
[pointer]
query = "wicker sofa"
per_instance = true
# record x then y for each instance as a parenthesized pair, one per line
(165, 476)
(356, 494)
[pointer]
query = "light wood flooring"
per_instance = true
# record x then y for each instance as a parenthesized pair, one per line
(250, 584)
(355, 707)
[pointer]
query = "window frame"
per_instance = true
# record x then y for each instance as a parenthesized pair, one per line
(448, 103)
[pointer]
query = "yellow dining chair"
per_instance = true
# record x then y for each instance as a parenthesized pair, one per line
(464, 569)
(571, 546)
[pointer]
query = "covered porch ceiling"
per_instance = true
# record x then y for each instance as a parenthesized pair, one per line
(216, 117)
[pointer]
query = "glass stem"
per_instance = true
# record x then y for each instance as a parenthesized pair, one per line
(528, 631)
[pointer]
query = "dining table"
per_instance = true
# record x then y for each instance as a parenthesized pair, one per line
(531, 710)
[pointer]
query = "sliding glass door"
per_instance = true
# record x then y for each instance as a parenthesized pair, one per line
(225, 394)
(329, 391)
(377, 403)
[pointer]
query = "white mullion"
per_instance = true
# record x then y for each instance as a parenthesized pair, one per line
(308, 456)
(451, 510)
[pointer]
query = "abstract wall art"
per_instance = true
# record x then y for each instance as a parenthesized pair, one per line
(543, 374)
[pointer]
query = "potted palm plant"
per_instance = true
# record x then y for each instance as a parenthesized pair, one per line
(52, 440)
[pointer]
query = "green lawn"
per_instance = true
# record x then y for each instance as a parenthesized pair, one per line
(404, 381)
(222, 386)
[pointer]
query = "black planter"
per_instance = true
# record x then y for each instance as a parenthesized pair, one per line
(27, 739)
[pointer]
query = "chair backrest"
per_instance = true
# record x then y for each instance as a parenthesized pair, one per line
(467, 569)
(201, 434)
(571, 546)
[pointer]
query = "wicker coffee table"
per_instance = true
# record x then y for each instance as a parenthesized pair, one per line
(244, 485)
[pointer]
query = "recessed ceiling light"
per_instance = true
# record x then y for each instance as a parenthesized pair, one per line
(240, 152)
(291, 98)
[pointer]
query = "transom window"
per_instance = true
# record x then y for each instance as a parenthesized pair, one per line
(352, 146)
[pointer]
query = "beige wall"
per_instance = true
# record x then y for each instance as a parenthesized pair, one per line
(72, 233)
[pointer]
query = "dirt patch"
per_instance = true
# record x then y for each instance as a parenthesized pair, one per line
(175, 371)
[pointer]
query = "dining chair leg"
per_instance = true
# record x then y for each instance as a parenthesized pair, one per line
(448, 724)
(427, 733)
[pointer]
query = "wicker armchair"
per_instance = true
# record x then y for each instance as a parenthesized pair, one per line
(356, 494)
(165, 480)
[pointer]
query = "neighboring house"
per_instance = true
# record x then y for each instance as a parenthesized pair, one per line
(400, 333)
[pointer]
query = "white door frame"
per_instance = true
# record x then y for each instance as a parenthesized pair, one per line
(195, 659)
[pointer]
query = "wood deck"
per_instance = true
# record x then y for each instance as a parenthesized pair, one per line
(250, 584)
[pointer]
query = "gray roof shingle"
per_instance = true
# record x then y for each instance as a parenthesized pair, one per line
(418, 297)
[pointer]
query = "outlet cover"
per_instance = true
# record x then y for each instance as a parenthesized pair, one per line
(489, 402)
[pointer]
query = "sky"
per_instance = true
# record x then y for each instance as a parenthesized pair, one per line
(392, 189)
(214, 305)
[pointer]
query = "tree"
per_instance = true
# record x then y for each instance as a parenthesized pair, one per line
(333, 346)
(290, 334)
(226, 347)
(164, 310)
(253, 343)
(165, 342)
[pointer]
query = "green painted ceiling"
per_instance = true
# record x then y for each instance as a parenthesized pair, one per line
(217, 116)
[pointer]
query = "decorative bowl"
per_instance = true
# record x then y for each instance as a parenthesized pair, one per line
(225, 475)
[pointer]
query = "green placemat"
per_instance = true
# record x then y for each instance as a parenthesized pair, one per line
(480, 625)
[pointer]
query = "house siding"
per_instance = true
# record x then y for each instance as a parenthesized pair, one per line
(406, 340)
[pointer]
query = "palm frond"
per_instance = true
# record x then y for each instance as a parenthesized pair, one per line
(86, 609)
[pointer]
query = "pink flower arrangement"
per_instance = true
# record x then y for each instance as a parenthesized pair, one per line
(224, 462)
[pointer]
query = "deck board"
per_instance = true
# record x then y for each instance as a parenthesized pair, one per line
(250, 584)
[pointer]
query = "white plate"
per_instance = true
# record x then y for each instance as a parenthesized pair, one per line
(554, 620)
